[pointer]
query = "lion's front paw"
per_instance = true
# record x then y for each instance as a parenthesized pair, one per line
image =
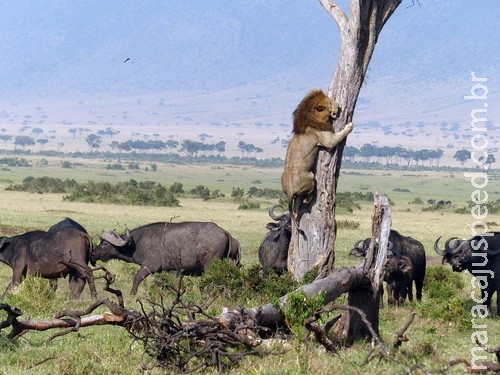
(348, 127)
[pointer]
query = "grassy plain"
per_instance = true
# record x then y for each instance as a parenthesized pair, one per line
(108, 350)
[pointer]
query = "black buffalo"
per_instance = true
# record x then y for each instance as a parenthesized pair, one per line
(186, 248)
(66, 223)
(400, 246)
(399, 277)
(273, 251)
(479, 256)
(51, 255)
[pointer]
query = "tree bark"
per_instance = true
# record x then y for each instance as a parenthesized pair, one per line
(367, 297)
(358, 34)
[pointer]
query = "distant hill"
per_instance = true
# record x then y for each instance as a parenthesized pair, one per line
(235, 68)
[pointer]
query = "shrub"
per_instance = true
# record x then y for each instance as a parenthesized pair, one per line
(442, 289)
(347, 224)
(176, 188)
(237, 193)
(246, 204)
(115, 167)
(298, 308)
(417, 200)
(246, 286)
(201, 191)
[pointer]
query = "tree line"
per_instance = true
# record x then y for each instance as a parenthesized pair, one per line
(366, 154)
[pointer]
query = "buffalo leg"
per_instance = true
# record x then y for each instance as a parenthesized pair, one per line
(17, 276)
(85, 273)
(419, 284)
(76, 285)
(409, 289)
(139, 276)
(53, 284)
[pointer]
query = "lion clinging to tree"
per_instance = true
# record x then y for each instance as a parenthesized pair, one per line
(312, 128)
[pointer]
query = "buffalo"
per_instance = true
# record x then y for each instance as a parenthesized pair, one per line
(479, 256)
(51, 255)
(399, 277)
(273, 251)
(186, 247)
(66, 223)
(399, 247)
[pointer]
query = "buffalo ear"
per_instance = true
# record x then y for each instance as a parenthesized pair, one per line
(273, 227)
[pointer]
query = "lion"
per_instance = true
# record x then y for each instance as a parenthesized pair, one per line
(312, 128)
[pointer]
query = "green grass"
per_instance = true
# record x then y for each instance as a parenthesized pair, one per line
(108, 349)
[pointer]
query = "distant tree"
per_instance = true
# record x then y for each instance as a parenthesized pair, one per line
(42, 142)
(367, 151)
(23, 141)
(436, 155)
(37, 131)
(59, 146)
(94, 141)
(421, 155)
(191, 148)
(406, 155)
(5, 138)
(462, 156)
(491, 159)
(157, 145)
(114, 145)
(171, 144)
(220, 147)
(248, 148)
(350, 152)
(204, 136)
(108, 132)
(73, 132)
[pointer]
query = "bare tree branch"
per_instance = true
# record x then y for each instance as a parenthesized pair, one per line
(337, 14)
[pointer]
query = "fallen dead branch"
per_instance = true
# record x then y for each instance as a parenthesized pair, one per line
(73, 320)
(178, 342)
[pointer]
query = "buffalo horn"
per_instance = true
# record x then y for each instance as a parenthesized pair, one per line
(452, 249)
(114, 238)
(357, 244)
(273, 215)
(437, 249)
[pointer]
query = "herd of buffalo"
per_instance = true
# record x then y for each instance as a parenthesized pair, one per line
(66, 249)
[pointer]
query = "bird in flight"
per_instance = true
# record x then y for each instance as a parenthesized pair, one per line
(127, 59)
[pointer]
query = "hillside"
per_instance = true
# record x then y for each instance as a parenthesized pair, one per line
(231, 70)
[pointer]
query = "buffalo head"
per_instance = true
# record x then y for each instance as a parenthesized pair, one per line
(112, 245)
(459, 253)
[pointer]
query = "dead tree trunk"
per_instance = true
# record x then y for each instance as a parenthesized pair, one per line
(367, 298)
(362, 283)
(359, 33)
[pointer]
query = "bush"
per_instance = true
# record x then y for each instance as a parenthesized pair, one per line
(246, 286)
(115, 167)
(347, 224)
(146, 193)
(176, 188)
(417, 200)
(265, 193)
(44, 185)
(246, 204)
(442, 289)
(133, 166)
(201, 191)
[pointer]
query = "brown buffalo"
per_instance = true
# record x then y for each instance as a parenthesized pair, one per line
(51, 255)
